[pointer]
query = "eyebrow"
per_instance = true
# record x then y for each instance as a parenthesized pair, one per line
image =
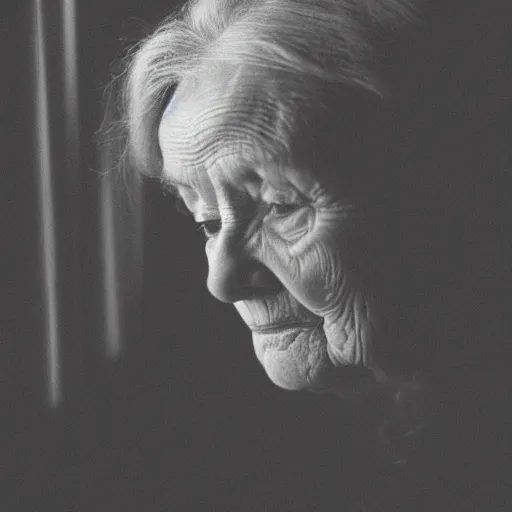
(171, 185)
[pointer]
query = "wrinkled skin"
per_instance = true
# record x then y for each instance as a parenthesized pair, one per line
(280, 246)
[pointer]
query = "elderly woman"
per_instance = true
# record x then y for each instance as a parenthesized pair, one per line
(349, 163)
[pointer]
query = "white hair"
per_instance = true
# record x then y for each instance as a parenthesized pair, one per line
(329, 40)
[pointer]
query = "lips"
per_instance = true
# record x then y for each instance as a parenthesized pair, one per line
(280, 327)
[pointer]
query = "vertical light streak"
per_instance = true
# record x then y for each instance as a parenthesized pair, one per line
(112, 325)
(71, 81)
(72, 332)
(121, 226)
(47, 214)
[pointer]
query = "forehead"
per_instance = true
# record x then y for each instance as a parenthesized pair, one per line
(234, 118)
(232, 113)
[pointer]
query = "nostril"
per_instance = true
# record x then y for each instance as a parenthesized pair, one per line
(242, 284)
(234, 274)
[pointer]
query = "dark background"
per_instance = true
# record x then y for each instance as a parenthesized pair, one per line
(185, 419)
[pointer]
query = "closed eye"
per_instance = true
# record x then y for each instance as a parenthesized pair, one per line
(282, 209)
(210, 228)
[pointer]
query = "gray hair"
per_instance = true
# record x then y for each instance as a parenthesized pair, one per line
(327, 40)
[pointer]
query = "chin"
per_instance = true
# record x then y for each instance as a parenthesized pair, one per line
(296, 359)
(293, 357)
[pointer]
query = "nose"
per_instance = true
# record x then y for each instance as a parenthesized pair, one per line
(234, 274)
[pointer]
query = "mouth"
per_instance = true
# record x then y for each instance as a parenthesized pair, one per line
(277, 328)
(295, 356)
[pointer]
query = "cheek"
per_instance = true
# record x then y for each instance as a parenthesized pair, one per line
(322, 278)
(314, 275)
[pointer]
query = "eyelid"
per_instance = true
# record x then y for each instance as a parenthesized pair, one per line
(207, 216)
(289, 209)
(270, 194)
(207, 225)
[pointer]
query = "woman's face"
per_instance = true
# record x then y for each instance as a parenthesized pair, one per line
(291, 255)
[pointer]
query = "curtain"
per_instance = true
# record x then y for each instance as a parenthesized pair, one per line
(79, 241)
(71, 244)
